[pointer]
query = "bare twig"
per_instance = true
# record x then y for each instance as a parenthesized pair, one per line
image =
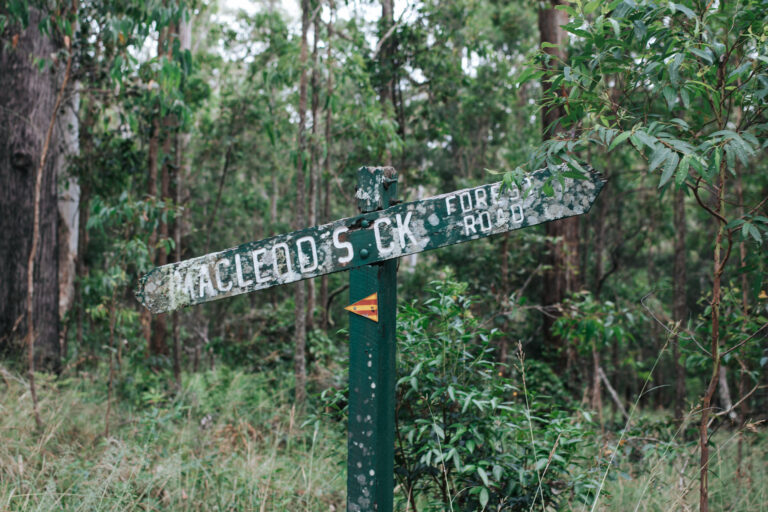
(741, 400)
(742, 342)
(612, 392)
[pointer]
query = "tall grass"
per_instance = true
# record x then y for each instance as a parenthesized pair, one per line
(228, 441)
(667, 480)
(231, 441)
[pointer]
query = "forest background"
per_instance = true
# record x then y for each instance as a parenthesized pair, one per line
(611, 362)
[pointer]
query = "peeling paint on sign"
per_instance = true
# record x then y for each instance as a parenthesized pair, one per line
(368, 238)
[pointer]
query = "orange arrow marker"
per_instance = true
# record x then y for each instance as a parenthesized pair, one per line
(367, 307)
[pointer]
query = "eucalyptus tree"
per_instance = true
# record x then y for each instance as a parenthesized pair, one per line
(685, 84)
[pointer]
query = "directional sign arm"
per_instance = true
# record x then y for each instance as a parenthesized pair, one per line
(382, 235)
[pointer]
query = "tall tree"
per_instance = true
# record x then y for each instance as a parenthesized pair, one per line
(327, 160)
(679, 306)
(561, 277)
(300, 297)
(386, 64)
(314, 172)
(28, 98)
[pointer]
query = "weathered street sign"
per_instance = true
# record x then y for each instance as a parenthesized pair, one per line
(374, 236)
(368, 245)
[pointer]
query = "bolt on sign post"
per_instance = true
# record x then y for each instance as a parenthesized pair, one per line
(368, 245)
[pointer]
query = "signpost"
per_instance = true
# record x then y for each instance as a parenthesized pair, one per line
(368, 245)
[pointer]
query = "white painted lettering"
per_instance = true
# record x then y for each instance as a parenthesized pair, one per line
(189, 286)
(495, 193)
(217, 275)
(241, 283)
(337, 243)
(448, 206)
(403, 230)
(206, 286)
(465, 205)
(485, 221)
(480, 198)
(517, 213)
(307, 266)
(286, 257)
(382, 250)
(469, 223)
(257, 263)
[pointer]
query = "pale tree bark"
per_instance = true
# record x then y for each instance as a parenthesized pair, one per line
(69, 210)
(300, 363)
(386, 64)
(28, 199)
(327, 160)
(562, 277)
(181, 171)
(314, 181)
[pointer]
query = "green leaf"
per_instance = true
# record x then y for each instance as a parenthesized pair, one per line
(484, 497)
(616, 28)
(670, 96)
(682, 171)
(646, 139)
(685, 97)
(705, 54)
(683, 9)
(674, 68)
(484, 476)
(591, 6)
(669, 169)
(657, 157)
(619, 139)
(575, 175)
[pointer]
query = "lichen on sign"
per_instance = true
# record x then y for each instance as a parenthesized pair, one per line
(372, 237)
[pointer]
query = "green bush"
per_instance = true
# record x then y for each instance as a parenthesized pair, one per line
(466, 436)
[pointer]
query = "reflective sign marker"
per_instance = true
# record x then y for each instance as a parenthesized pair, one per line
(367, 307)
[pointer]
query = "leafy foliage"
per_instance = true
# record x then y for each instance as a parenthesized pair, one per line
(467, 438)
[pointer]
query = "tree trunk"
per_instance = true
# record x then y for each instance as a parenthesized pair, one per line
(69, 211)
(181, 169)
(327, 161)
(152, 157)
(562, 276)
(300, 363)
(27, 102)
(679, 309)
(314, 181)
(386, 65)
(706, 402)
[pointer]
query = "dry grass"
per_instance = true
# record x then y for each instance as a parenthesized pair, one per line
(225, 443)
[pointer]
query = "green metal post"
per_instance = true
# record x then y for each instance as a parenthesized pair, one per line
(371, 439)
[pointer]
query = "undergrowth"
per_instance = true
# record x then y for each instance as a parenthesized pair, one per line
(227, 441)
(231, 441)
